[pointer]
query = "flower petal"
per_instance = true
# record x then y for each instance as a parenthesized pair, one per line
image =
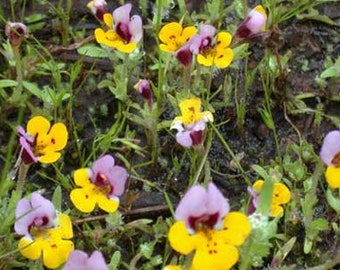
(135, 28)
(223, 58)
(56, 253)
(122, 14)
(83, 199)
(236, 228)
(169, 33)
(117, 177)
(38, 124)
(108, 20)
(82, 177)
(108, 205)
(184, 138)
(330, 147)
(49, 157)
(179, 238)
(29, 248)
(206, 59)
(333, 176)
(58, 136)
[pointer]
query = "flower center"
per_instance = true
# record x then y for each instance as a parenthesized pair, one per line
(102, 184)
(336, 160)
(123, 31)
(203, 222)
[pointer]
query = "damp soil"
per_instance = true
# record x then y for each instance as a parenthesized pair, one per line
(310, 42)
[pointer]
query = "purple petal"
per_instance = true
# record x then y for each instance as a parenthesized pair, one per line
(184, 138)
(79, 260)
(135, 28)
(256, 21)
(103, 165)
(203, 39)
(122, 14)
(27, 153)
(217, 202)
(117, 178)
(330, 147)
(37, 212)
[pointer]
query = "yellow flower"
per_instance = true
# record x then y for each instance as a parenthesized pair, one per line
(172, 267)
(333, 176)
(51, 244)
(123, 32)
(100, 185)
(219, 54)
(214, 249)
(41, 142)
(191, 112)
(281, 195)
(174, 36)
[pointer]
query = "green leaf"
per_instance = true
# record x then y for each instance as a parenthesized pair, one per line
(57, 198)
(8, 83)
(115, 260)
(93, 51)
(33, 89)
(333, 201)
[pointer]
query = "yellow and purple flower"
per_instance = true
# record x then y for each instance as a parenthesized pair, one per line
(281, 195)
(211, 48)
(123, 32)
(79, 260)
(46, 233)
(205, 226)
(101, 185)
(15, 31)
(192, 123)
(253, 24)
(41, 142)
(98, 8)
(176, 39)
(144, 89)
(330, 155)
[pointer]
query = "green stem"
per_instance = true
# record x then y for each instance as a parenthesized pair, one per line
(18, 66)
(231, 153)
(22, 178)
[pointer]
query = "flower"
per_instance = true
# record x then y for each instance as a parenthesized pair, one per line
(42, 142)
(192, 123)
(98, 8)
(330, 155)
(15, 31)
(172, 267)
(124, 32)
(100, 185)
(144, 89)
(79, 260)
(205, 225)
(176, 39)
(281, 195)
(211, 50)
(253, 24)
(45, 231)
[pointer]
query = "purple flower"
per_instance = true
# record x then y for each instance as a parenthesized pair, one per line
(203, 40)
(129, 29)
(36, 212)
(189, 135)
(253, 24)
(144, 89)
(202, 207)
(330, 149)
(79, 260)
(15, 31)
(106, 173)
(27, 142)
(98, 8)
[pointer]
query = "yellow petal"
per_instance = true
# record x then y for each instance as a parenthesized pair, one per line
(125, 47)
(65, 226)
(215, 255)
(179, 238)
(172, 267)
(236, 228)
(82, 177)
(108, 19)
(108, 205)
(190, 110)
(29, 248)
(38, 124)
(258, 185)
(333, 176)
(82, 199)
(58, 136)
(188, 32)
(207, 116)
(260, 9)
(169, 32)
(108, 38)
(276, 210)
(57, 253)
(205, 60)
(223, 40)
(223, 57)
(281, 194)
(49, 157)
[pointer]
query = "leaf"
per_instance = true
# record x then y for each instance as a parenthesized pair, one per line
(8, 83)
(115, 260)
(33, 89)
(93, 51)
(333, 201)
(57, 198)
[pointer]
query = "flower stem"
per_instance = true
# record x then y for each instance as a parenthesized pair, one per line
(22, 178)
(18, 65)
